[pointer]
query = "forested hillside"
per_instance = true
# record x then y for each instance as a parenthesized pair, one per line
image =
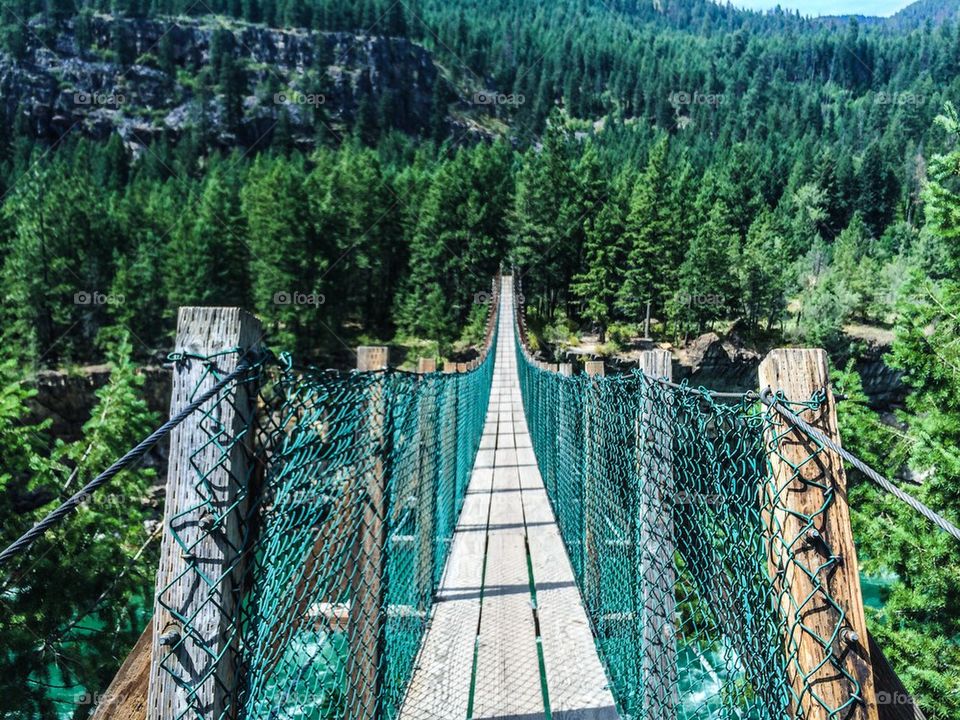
(776, 176)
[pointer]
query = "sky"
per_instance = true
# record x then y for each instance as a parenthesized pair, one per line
(829, 7)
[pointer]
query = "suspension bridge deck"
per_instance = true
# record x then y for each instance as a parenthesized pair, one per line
(509, 637)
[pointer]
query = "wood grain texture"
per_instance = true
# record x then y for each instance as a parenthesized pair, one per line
(508, 675)
(656, 543)
(893, 700)
(507, 528)
(206, 685)
(366, 632)
(795, 495)
(126, 697)
(576, 682)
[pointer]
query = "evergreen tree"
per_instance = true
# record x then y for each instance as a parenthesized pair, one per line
(761, 276)
(597, 286)
(647, 234)
(705, 289)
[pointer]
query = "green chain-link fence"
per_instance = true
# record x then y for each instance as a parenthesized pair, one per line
(675, 527)
(347, 511)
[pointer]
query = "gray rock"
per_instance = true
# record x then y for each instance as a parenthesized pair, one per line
(60, 88)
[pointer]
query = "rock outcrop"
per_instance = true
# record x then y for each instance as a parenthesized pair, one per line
(143, 80)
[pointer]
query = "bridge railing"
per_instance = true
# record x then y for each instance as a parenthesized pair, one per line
(308, 517)
(710, 538)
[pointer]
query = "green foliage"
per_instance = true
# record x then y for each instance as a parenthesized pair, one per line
(920, 622)
(793, 169)
(647, 236)
(71, 608)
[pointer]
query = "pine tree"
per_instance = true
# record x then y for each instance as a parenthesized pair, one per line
(706, 289)
(547, 222)
(283, 250)
(761, 276)
(597, 286)
(102, 552)
(646, 234)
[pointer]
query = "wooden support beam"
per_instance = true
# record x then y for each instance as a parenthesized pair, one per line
(656, 541)
(594, 367)
(367, 623)
(591, 500)
(893, 700)
(195, 623)
(566, 369)
(426, 486)
(461, 367)
(809, 535)
(426, 365)
(126, 697)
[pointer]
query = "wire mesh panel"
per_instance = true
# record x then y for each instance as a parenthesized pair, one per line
(675, 526)
(355, 483)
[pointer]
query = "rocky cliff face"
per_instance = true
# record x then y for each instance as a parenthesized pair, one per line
(147, 78)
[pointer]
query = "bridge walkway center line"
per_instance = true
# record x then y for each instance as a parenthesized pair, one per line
(508, 638)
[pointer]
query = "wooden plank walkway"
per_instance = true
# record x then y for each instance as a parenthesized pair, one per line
(509, 637)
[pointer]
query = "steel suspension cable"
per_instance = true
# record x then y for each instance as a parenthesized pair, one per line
(767, 397)
(133, 455)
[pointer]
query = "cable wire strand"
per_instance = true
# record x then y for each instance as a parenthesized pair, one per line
(767, 397)
(134, 454)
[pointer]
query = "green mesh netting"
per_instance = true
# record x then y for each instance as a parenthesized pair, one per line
(355, 484)
(673, 522)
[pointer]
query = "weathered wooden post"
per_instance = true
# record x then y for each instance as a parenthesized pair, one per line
(655, 542)
(368, 612)
(564, 432)
(591, 513)
(448, 446)
(811, 552)
(192, 670)
(426, 491)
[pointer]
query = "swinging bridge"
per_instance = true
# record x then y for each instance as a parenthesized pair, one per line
(503, 539)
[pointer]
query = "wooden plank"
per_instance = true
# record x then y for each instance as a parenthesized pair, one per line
(192, 667)
(496, 515)
(507, 682)
(366, 634)
(126, 696)
(508, 671)
(440, 686)
(799, 489)
(656, 543)
(576, 682)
